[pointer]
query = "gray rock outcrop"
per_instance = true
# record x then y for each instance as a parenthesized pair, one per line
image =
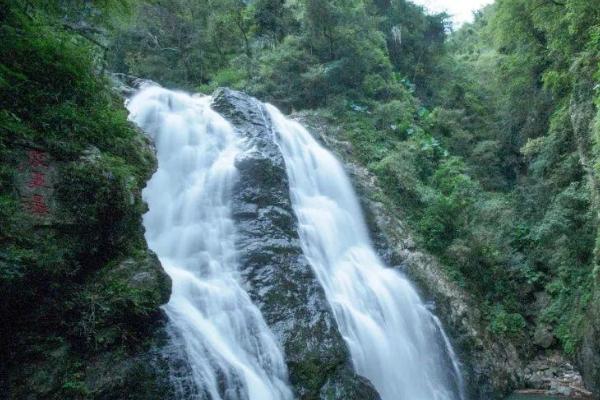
(279, 278)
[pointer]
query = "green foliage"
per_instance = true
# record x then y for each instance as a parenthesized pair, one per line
(506, 324)
(529, 148)
(99, 193)
(75, 389)
(297, 54)
(415, 43)
(184, 43)
(472, 134)
(491, 177)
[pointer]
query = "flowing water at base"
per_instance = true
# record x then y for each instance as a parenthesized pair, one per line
(231, 353)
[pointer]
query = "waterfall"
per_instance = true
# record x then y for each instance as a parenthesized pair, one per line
(393, 338)
(231, 353)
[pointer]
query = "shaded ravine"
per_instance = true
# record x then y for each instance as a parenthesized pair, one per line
(229, 348)
(393, 338)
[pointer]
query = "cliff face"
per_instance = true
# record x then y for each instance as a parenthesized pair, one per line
(490, 365)
(589, 355)
(281, 282)
(585, 120)
(278, 277)
(81, 289)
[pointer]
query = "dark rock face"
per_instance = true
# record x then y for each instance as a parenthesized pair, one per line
(128, 85)
(279, 278)
(86, 321)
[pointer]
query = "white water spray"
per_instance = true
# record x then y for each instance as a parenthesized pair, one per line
(393, 339)
(230, 350)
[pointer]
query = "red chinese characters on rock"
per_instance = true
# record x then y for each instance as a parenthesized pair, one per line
(38, 179)
(37, 159)
(36, 204)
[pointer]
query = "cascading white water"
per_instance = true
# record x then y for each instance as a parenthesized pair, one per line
(393, 338)
(230, 350)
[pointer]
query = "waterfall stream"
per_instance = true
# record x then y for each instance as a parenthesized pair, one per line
(393, 338)
(232, 355)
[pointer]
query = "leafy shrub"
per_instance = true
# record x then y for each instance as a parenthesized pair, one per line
(506, 324)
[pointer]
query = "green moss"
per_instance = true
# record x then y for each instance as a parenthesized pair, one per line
(312, 373)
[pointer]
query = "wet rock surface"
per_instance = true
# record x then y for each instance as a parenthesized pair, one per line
(279, 278)
(104, 283)
(85, 301)
(128, 85)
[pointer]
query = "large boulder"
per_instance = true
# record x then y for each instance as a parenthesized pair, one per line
(279, 278)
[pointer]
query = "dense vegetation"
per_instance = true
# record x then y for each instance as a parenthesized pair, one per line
(481, 137)
(485, 139)
(530, 142)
